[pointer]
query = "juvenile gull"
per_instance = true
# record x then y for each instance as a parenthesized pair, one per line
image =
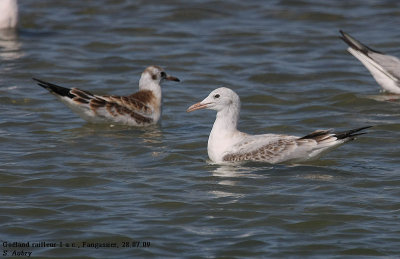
(384, 68)
(8, 14)
(227, 144)
(139, 109)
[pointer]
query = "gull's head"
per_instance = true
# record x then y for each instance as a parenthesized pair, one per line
(219, 99)
(154, 75)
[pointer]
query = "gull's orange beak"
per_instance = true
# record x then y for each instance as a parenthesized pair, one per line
(197, 106)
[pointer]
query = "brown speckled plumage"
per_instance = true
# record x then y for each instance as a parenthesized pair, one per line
(268, 152)
(139, 109)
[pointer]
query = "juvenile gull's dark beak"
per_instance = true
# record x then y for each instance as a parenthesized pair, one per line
(172, 78)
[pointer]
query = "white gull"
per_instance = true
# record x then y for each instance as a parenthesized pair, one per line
(227, 144)
(384, 68)
(139, 109)
(8, 14)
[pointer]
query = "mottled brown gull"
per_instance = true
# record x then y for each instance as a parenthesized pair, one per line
(139, 109)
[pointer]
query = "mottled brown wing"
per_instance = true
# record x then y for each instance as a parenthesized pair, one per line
(80, 96)
(271, 152)
(141, 102)
(138, 106)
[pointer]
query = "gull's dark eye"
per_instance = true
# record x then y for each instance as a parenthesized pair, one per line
(216, 96)
(163, 75)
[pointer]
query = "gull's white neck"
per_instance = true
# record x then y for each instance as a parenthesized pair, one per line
(8, 14)
(146, 83)
(224, 133)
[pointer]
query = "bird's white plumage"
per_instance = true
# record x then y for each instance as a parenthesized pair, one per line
(227, 144)
(384, 68)
(8, 14)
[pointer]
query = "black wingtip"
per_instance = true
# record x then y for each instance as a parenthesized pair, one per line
(317, 134)
(344, 36)
(352, 42)
(351, 133)
(56, 89)
(355, 44)
(341, 32)
(38, 80)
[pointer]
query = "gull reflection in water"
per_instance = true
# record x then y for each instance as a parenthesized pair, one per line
(10, 47)
(237, 170)
(385, 97)
(147, 135)
(230, 176)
